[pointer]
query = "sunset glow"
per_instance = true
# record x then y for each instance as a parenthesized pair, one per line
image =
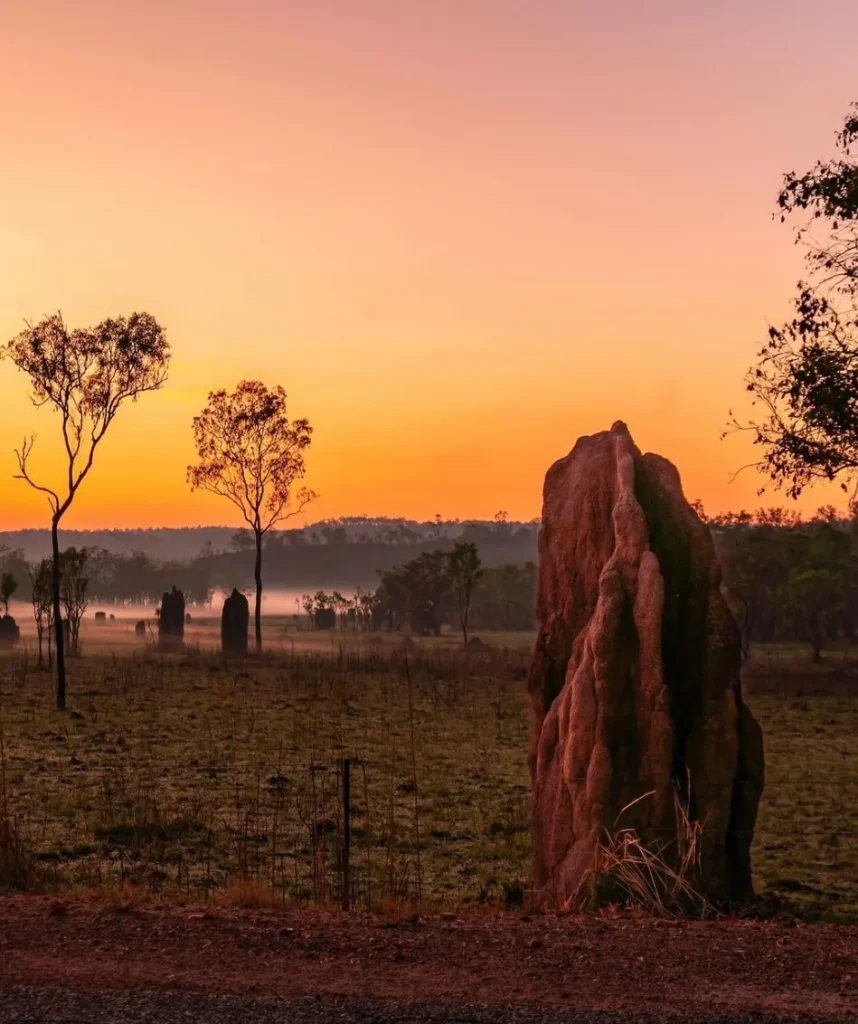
(459, 233)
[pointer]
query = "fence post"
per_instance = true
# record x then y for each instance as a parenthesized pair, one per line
(347, 832)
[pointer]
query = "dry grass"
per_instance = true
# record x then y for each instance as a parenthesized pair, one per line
(185, 772)
(18, 866)
(658, 879)
(190, 775)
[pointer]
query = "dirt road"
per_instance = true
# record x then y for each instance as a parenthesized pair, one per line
(90, 962)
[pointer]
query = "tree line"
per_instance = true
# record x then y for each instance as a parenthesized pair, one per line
(118, 578)
(180, 544)
(435, 589)
(790, 580)
(786, 579)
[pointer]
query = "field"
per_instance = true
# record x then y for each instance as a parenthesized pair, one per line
(189, 774)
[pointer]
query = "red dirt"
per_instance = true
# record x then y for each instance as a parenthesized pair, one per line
(778, 969)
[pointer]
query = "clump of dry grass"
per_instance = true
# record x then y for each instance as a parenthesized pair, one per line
(658, 878)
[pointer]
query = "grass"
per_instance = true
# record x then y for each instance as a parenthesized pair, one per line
(188, 774)
(657, 879)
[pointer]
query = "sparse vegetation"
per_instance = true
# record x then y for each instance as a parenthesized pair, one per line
(189, 773)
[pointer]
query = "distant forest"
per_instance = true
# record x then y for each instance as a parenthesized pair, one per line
(185, 543)
(785, 578)
(348, 553)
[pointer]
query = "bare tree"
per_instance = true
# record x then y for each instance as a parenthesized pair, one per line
(43, 605)
(85, 375)
(250, 453)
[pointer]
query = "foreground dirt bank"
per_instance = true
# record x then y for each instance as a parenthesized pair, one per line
(703, 969)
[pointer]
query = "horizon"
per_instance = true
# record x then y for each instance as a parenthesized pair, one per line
(804, 513)
(458, 238)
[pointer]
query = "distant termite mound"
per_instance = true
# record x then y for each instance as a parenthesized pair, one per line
(171, 621)
(634, 681)
(234, 621)
(10, 634)
(325, 618)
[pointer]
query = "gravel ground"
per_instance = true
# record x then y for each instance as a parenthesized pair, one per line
(91, 962)
(22, 1004)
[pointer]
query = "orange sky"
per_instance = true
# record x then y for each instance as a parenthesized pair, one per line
(460, 232)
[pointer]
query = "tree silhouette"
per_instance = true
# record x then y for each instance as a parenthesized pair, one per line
(417, 592)
(85, 375)
(250, 453)
(74, 583)
(806, 376)
(8, 586)
(465, 572)
(43, 607)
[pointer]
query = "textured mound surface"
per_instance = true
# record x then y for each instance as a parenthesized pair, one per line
(635, 676)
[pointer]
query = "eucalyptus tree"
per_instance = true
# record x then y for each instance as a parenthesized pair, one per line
(85, 375)
(250, 453)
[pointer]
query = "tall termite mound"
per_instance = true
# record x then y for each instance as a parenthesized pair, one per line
(634, 681)
(233, 623)
(171, 621)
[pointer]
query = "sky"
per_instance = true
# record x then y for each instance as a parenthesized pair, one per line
(460, 233)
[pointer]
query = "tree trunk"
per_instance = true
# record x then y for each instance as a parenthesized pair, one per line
(745, 645)
(257, 575)
(817, 639)
(464, 623)
(58, 616)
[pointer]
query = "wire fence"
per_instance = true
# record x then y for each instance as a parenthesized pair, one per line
(356, 779)
(349, 832)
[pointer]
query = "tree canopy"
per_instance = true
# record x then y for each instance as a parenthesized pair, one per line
(86, 374)
(806, 376)
(251, 454)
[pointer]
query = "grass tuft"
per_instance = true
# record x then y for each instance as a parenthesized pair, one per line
(657, 879)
